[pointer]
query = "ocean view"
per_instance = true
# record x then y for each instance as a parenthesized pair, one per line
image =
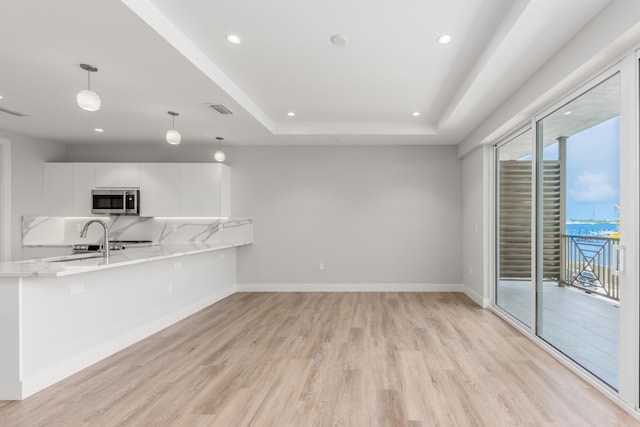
(591, 229)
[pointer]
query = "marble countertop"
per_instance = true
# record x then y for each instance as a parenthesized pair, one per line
(84, 263)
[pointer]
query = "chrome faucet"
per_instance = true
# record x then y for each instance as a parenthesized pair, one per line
(105, 239)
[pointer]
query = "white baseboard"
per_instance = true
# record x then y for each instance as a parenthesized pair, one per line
(349, 287)
(476, 297)
(93, 355)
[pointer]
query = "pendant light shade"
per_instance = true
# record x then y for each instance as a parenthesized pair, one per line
(86, 98)
(173, 136)
(219, 155)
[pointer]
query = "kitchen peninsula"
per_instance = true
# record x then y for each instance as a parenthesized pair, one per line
(59, 315)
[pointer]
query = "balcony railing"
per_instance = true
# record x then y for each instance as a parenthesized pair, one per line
(588, 262)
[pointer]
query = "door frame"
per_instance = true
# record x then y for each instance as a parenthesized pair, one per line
(628, 395)
(5, 200)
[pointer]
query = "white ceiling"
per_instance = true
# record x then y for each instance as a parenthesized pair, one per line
(160, 55)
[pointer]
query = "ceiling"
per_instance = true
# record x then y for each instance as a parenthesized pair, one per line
(159, 55)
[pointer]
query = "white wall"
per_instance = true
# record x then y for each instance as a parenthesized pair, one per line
(27, 180)
(475, 229)
(372, 215)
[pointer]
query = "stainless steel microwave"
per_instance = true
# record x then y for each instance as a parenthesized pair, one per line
(115, 201)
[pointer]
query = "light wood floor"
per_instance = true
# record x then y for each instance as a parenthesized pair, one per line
(326, 359)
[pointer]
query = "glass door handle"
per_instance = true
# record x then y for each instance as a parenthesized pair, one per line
(618, 260)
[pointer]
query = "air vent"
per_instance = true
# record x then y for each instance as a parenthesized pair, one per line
(12, 112)
(220, 108)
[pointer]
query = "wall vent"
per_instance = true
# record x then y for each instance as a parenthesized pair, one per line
(12, 112)
(220, 108)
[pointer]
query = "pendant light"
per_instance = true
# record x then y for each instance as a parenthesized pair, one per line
(219, 155)
(173, 136)
(86, 98)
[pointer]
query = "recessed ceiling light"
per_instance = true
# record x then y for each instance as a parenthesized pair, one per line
(291, 114)
(233, 39)
(99, 130)
(566, 113)
(444, 39)
(416, 113)
(339, 40)
(1, 96)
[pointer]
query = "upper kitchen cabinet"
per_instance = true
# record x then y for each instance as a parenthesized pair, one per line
(166, 189)
(84, 180)
(150, 198)
(190, 189)
(215, 189)
(58, 189)
(117, 175)
(185, 189)
(68, 188)
(160, 189)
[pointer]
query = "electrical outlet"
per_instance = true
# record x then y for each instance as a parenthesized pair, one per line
(170, 288)
(470, 270)
(221, 256)
(174, 227)
(177, 266)
(77, 288)
(79, 227)
(321, 266)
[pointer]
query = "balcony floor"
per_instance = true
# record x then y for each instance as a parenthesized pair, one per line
(582, 326)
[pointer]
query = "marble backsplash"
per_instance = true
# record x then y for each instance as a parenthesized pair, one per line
(65, 231)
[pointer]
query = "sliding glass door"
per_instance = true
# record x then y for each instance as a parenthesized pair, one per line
(578, 196)
(558, 231)
(514, 167)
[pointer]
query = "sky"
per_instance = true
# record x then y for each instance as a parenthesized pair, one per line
(593, 172)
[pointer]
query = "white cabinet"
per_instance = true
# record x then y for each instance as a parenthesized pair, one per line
(58, 190)
(150, 185)
(68, 188)
(225, 190)
(117, 175)
(185, 189)
(190, 189)
(84, 180)
(160, 189)
(169, 185)
(166, 189)
(215, 190)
